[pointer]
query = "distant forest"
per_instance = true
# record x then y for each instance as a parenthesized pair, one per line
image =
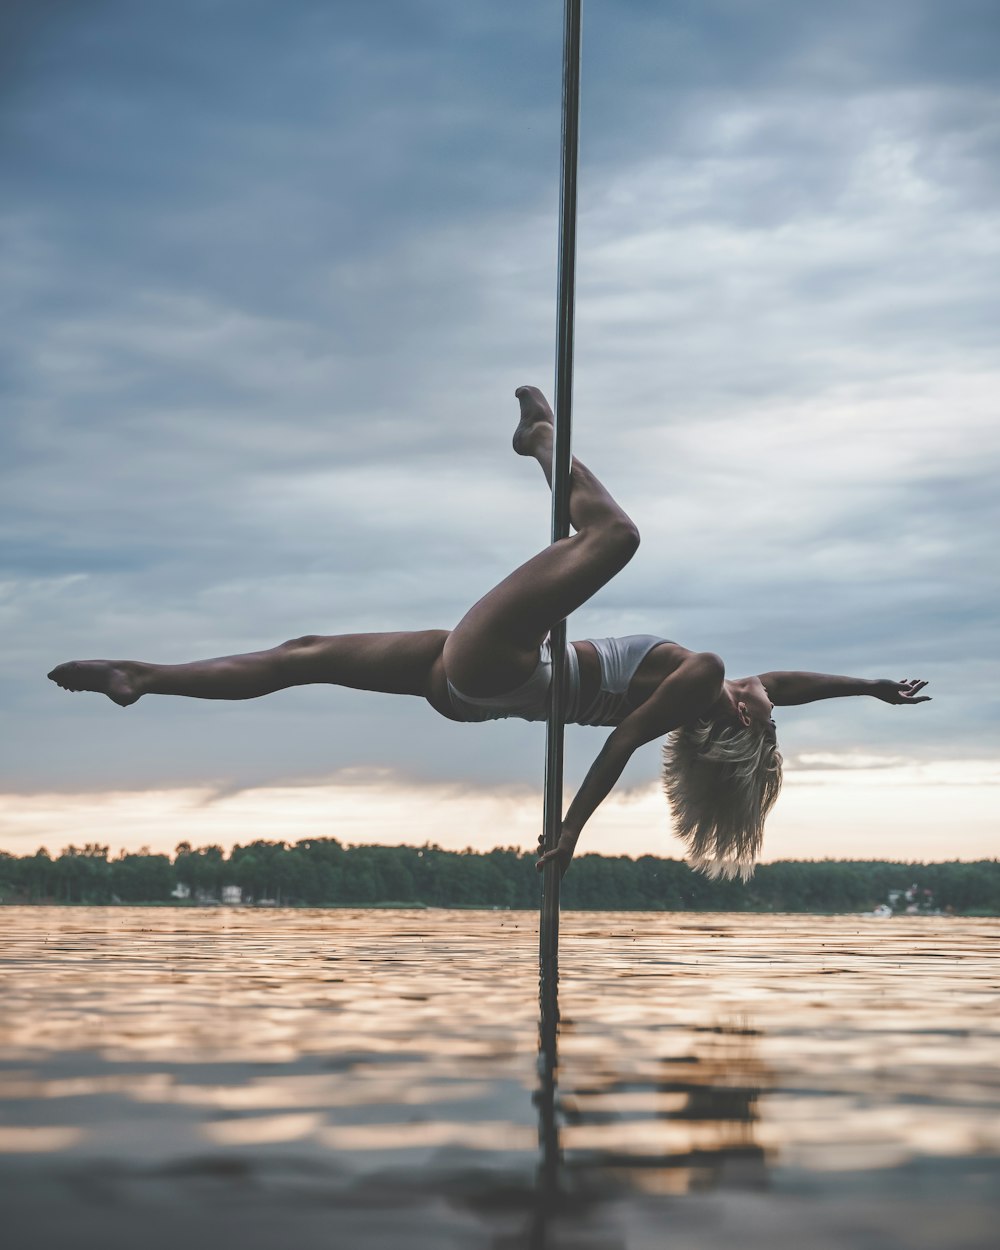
(319, 872)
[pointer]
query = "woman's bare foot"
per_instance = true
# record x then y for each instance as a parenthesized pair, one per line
(118, 679)
(535, 411)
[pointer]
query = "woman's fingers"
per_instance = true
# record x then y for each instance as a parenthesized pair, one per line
(540, 865)
(558, 855)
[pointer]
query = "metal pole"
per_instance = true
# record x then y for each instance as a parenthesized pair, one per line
(548, 947)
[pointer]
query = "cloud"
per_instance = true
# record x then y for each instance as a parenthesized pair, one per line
(273, 277)
(818, 761)
(944, 809)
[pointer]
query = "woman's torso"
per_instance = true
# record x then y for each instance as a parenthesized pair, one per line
(660, 662)
(664, 659)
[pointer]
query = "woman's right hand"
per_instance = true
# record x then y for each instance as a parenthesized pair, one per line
(562, 853)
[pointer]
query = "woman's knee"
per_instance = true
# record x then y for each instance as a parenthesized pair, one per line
(305, 643)
(621, 538)
(631, 536)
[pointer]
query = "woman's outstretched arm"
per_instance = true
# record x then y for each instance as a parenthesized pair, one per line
(791, 689)
(685, 694)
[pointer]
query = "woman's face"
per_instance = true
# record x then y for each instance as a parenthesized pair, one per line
(745, 702)
(754, 708)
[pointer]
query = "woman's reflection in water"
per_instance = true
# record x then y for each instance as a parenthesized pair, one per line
(720, 1111)
(692, 1127)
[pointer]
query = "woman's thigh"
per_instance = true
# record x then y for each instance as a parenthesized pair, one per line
(391, 663)
(494, 648)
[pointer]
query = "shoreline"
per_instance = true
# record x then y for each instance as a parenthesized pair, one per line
(185, 905)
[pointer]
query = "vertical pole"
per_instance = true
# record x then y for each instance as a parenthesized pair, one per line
(548, 950)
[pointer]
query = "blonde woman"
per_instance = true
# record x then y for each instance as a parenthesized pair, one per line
(722, 765)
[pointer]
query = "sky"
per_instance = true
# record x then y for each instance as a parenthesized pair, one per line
(269, 277)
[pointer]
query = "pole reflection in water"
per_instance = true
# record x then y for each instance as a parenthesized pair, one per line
(548, 1188)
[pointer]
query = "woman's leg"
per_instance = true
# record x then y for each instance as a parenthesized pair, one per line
(495, 646)
(397, 663)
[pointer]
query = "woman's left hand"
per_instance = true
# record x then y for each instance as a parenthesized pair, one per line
(898, 692)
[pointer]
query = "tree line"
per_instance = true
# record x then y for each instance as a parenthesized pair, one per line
(318, 872)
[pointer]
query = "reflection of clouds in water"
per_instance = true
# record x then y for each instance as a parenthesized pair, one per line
(269, 1128)
(366, 1062)
(35, 1139)
(483, 1135)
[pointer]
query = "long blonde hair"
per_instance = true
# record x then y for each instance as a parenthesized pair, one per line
(721, 782)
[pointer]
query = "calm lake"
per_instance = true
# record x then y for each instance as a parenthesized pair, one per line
(366, 1079)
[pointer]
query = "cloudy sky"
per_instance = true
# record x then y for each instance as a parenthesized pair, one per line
(270, 274)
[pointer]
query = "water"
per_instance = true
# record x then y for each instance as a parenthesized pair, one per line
(369, 1079)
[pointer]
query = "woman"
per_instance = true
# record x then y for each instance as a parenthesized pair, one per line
(722, 767)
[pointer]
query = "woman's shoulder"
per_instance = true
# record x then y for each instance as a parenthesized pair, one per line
(660, 661)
